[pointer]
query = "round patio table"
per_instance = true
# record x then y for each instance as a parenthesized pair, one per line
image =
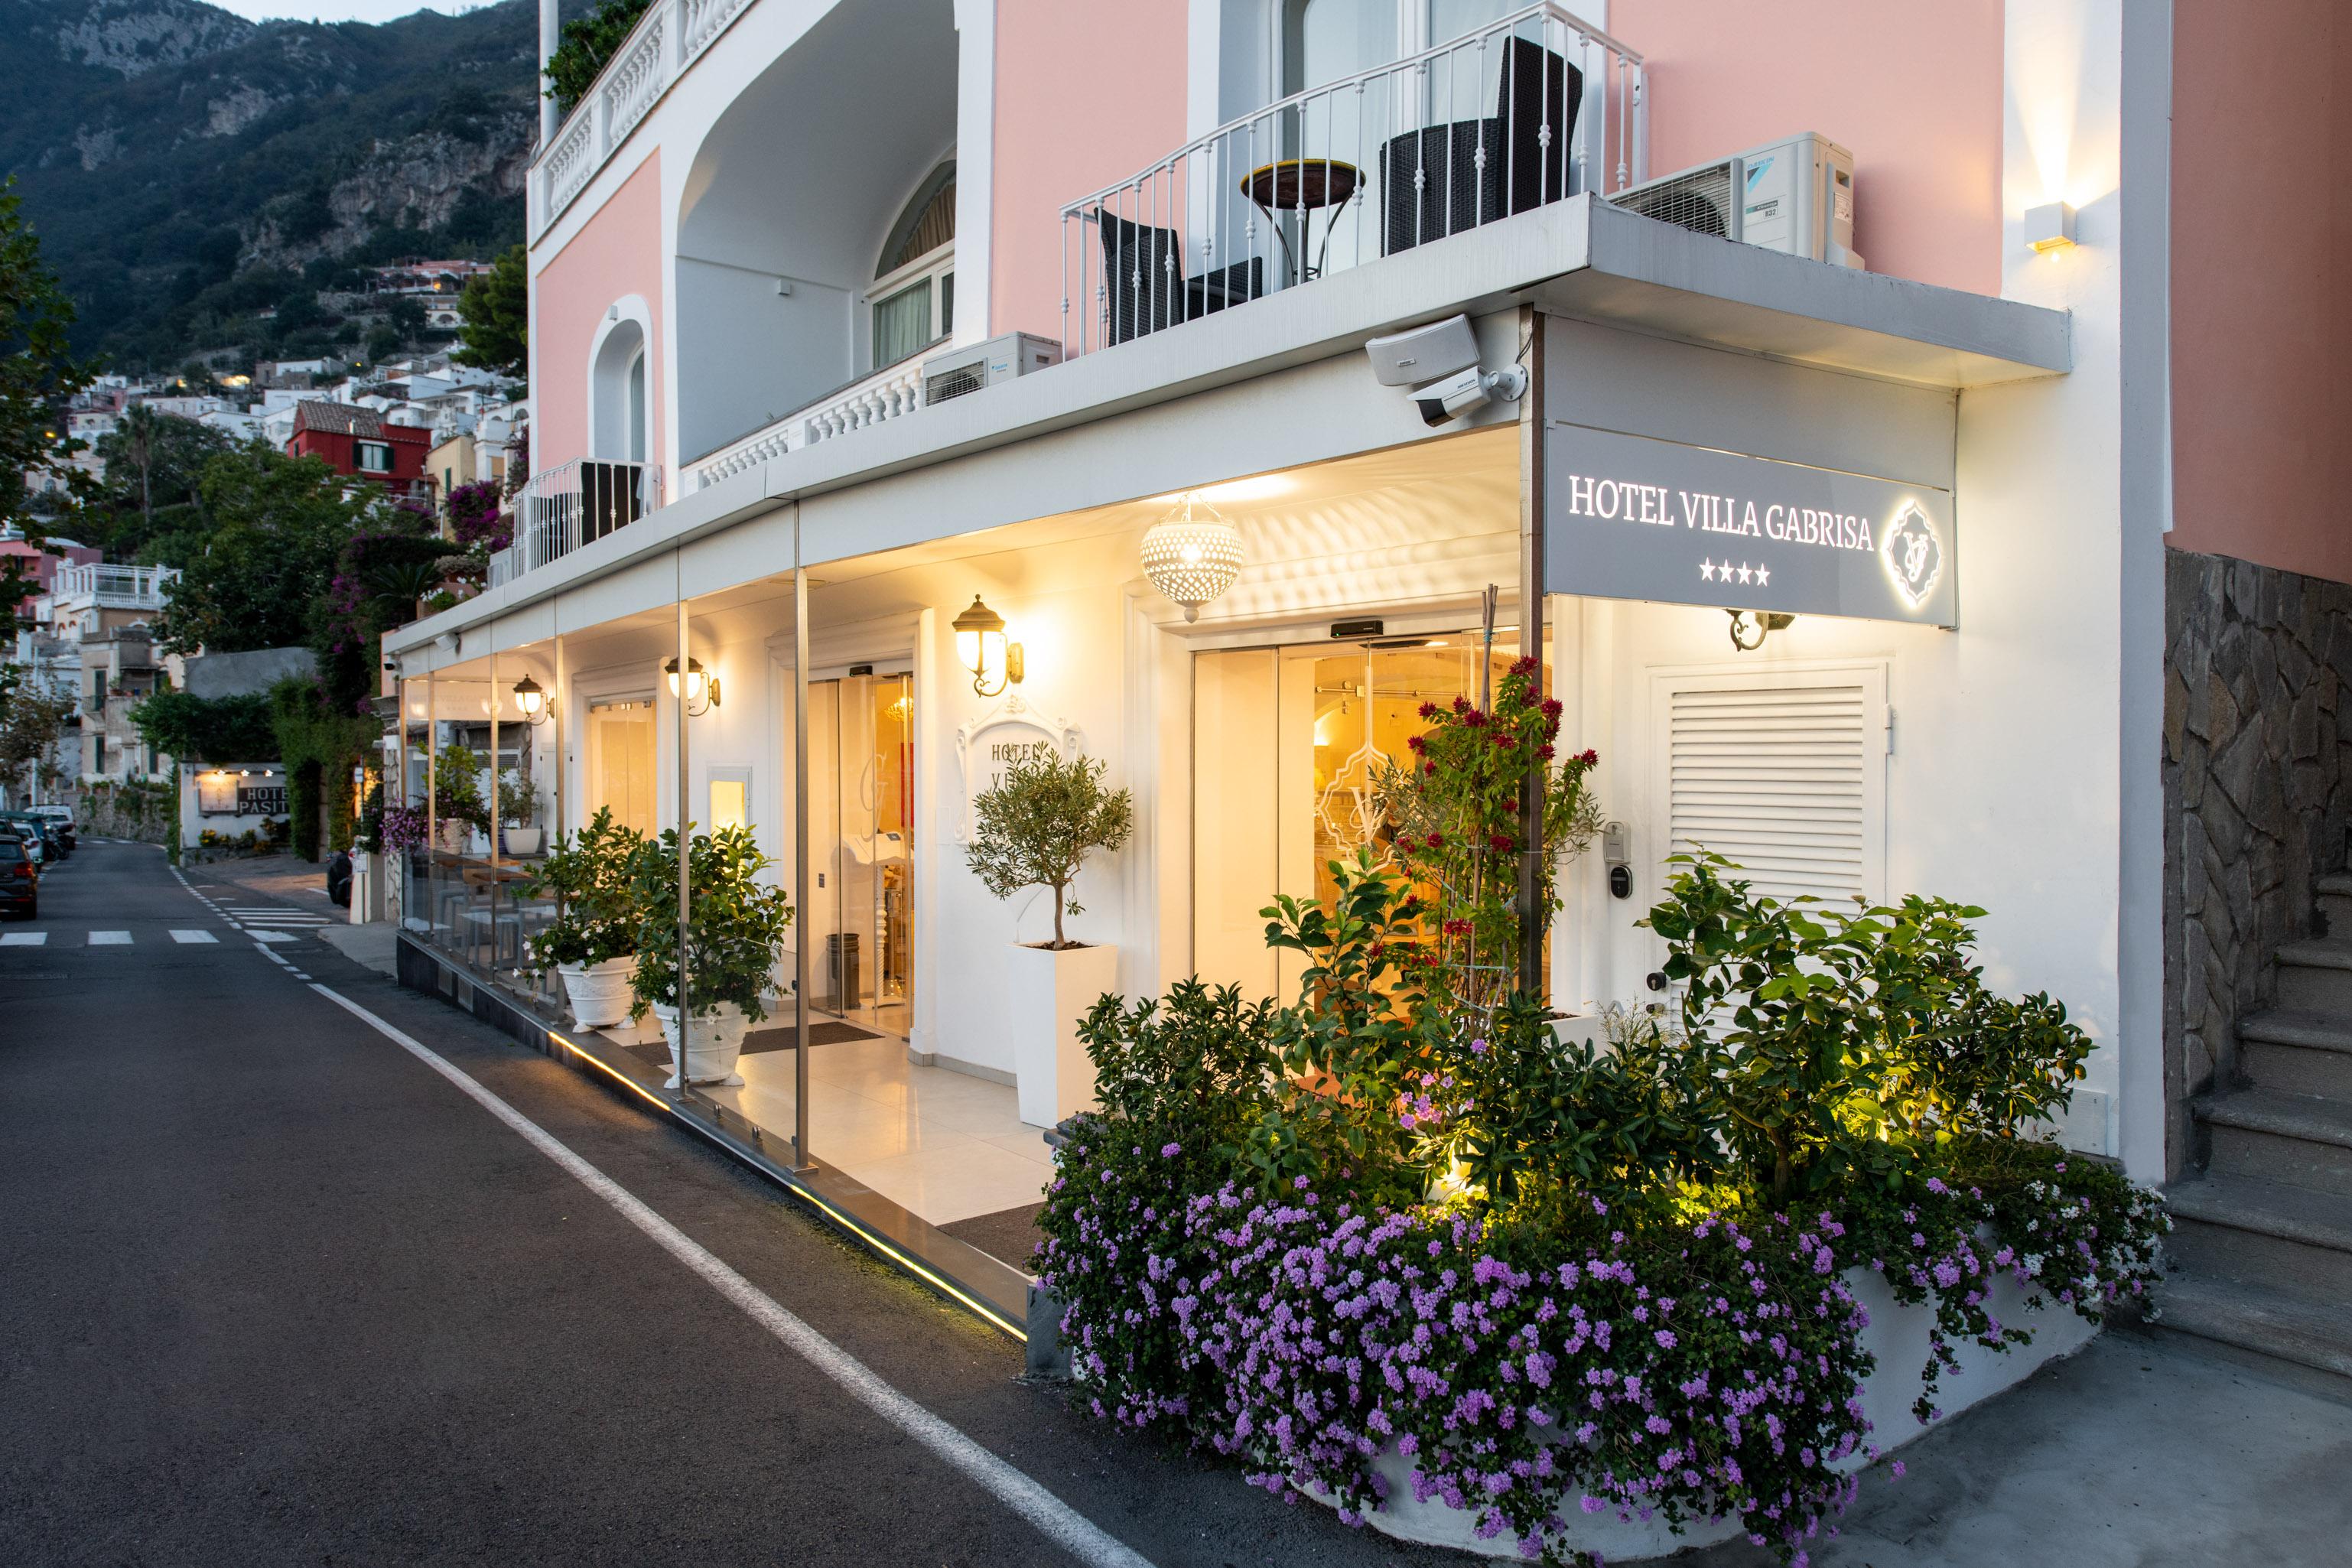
(1304, 187)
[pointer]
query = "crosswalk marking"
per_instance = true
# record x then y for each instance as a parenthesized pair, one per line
(110, 939)
(24, 939)
(273, 936)
(193, 936)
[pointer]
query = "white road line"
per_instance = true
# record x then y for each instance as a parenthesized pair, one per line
(25, 939)
(272, 936)
(193, 936)
(1055, 1519)
(110, 939)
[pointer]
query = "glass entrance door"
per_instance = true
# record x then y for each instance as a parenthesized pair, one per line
(861, 847)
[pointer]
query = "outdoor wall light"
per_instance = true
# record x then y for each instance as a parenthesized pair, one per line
(701, 693)
(2050, 227)
(980, 646)
(531, 698)
(1750, 627)
(1192, 554)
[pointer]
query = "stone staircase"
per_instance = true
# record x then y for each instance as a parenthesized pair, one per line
(2263, 1238)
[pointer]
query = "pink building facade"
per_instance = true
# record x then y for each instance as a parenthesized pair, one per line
(893, 308)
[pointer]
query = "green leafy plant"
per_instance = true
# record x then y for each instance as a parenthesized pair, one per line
(588, 43)
(458, 786)
(1036, 827)
(591, 876)
(517, 799)
(1202, 1062)
(735, 924)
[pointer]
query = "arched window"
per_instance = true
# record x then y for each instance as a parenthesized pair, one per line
(913, 297)
(618, 428)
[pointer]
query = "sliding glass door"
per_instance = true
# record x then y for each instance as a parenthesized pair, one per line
(860, 914)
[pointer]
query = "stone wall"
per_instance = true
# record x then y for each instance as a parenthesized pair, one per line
(2258, 797)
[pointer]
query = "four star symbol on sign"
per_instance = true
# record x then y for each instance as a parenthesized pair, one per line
(1712, 571)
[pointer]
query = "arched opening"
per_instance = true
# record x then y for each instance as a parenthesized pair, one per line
(617, 427)
(794, 266)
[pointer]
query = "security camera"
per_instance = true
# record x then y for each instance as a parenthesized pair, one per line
(1439, 363)
(1465, 390)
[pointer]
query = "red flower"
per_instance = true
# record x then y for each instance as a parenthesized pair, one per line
(1416, 742)
(1552, 707)
(1434, 841)
(1462, 705)
(1471, 716)
(1501, 841)
(1502, 738)
(1545, 751)
(1429, 768)
(1524, 665)
(1590, 757)
(1428, 709)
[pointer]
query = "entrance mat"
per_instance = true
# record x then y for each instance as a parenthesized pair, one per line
(1009, 1235)
(656, 1053)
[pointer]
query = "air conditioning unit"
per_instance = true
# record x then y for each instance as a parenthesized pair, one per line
(1794, 197)
(958, 370)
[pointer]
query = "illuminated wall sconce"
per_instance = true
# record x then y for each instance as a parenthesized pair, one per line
(2050, 227)
(1192, 554)
(980, 646)
(1750, 627)
(701, 692)
(531, 698)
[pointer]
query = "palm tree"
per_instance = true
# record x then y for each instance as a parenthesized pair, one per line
(138, 434)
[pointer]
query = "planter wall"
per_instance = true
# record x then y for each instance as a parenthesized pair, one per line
(1897, 1337)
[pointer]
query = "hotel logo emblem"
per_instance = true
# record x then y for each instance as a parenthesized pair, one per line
(1913, 553)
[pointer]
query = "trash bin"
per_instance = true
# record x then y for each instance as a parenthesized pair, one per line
(841, 970)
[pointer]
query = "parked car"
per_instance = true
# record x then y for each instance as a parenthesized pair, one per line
(63, 817)
(35, 844)
(45, 829)
(20, 879)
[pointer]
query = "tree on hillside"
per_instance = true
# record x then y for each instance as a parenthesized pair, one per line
(256, 578)
(494, 314)
(37, 371)
(33, 715)
(154, 463)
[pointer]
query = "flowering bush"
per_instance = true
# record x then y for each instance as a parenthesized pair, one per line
(476, 520)
(588, 875)
(405, 827)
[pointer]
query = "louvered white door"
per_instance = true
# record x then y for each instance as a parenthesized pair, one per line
(1781, 771)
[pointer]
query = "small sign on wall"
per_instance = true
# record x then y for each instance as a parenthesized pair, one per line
(260, 800)
(1626, 517)
(987, 746)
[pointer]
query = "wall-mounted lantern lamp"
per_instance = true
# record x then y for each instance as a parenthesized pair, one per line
(1750, 627)
(2050, 227)
(701, 692)
(531, 698)
(980, 644)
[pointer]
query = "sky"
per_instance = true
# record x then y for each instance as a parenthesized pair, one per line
(338, 10)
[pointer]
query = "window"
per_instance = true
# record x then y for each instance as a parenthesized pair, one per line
(913, 297)
(376, 457)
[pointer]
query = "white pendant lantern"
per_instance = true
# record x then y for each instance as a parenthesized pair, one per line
(1193, 555)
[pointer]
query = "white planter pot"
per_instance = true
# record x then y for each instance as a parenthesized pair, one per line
(718, 1041)
(1896, 1336)
(523, 840)
(599, 992)
(450, 835)
(1051, 990)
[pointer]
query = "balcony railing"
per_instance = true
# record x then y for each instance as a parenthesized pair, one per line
(888, 393)
(1537, 107)
(669, 36)
(559, 509)
(112, 587)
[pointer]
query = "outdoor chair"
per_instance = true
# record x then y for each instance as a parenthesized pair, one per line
(1144, 286)
(1443, 179)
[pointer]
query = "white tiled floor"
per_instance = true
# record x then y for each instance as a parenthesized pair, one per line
(943, 1145)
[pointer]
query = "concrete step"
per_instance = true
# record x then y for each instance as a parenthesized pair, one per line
(2263, 1234)
(2310, 1341)
(2335, 891)
(2316, 976)
(2299, 1141)
(2299, 1052)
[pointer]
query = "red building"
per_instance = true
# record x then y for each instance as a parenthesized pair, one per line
(39, 565)
(362, 443)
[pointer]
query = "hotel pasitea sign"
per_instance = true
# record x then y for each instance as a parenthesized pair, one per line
(1630, 518)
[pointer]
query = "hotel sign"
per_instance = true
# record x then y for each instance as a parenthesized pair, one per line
(1630, 518)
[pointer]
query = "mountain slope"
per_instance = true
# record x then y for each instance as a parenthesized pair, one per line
(187, 168)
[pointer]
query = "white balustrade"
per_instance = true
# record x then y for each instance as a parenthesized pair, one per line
(888, 393)
(669, 37)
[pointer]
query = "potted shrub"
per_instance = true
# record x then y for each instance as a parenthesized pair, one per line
(457, 802)
(591, 944)
(1036, 828)
(735, 925)
(519, 813)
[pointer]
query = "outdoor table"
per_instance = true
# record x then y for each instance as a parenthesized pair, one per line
(1303, 186)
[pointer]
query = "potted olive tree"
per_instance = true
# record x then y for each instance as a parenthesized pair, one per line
(1036, 828)
(519, 813)
(735, 925)
(592, 944)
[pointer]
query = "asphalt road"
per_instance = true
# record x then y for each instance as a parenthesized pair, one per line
(273, 1292)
